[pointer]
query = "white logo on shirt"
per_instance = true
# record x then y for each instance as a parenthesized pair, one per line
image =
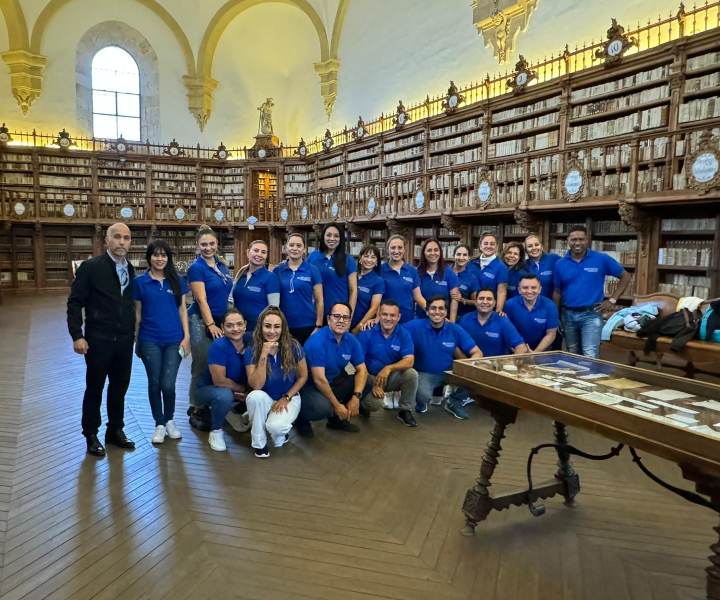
(541, 320)
(442, 283)
(396, 348)
(512, 287)
(303, 278)
(546, 273)
(364, 289)
(463, 287)
(489, 275)
(410, 279)
(591, 269)
(448, 344)
(492, 334)
(169, 291)
(346, 356)
(253, 288)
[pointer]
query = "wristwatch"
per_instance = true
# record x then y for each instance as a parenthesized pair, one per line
(612, 300)
(358, 395)
(284, 396)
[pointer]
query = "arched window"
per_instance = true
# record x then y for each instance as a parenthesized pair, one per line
(115, 95)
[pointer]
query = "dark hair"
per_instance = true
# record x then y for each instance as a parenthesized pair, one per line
(575, 228)
(521, 260)
(232, 311)
(531, 276)
(246, 268)
(289, 348)
(487, 289)
(422, 263)
(369, 248)
(169, 270)
(435, 298)
(339, 257)
(295, 234)
(389, 302)
(345, 304)
(207, 230)
(469, 250)
(485, 234)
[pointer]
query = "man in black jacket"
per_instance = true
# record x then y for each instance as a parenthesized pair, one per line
(103, 286)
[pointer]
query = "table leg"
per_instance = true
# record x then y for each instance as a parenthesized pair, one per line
(713, 571)
(565, 467)
(478, 502)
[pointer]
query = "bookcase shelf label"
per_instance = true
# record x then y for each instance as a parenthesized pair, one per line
(371, 207)
(574, 181)
(334, 210)
(304, 213)
(19, 209)
(284, 214)
(705, 167)
(419, 202)
(701, 169)
(180, 213)
(219, 215)
(126, 212)
(69, 210)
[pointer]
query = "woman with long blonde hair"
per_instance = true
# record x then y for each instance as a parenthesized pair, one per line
(276, 370)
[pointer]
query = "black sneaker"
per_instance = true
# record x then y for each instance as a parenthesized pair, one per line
(340, 425)
(304, 428)
(364, 412)
(407, 419)
(262, 452)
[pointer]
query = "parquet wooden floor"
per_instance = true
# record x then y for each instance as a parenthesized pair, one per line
(341, 517)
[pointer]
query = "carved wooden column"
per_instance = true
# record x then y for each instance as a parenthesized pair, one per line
(456, 226)
(396, 227)
(97, 240)
(39, 256)
(527, 220)
(637, 220)
(274, 244)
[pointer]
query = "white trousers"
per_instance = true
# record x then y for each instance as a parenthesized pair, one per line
(278, 425)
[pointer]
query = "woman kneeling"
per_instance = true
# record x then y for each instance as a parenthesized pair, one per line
(276, 370)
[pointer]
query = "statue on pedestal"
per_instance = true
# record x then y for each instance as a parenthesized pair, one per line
(265, 127)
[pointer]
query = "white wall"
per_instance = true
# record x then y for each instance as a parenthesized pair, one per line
(389, 50)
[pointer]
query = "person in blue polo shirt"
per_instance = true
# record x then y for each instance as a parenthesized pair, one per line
(402, 282)
(224, 375)
(494, 334)
(541, 264)
(534, 316)
(435, 279)
(490, 270)
(255, 287)
(513, 255)
(389, 357)
(338, 269)
(210, 282)
(580, 289)
(276, 370)
(162, 334)
(371, 287)
(468, 283)
(301, 291)
(436, 341)
(330, 392)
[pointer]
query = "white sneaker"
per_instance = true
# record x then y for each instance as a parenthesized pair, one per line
(159, 435)
(172, 431)
(437, 400)
(396, 399)
(388, 401)
(467, 401)
(240, 423)
(217, 441)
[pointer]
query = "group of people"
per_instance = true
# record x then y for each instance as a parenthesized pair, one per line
(270, 349)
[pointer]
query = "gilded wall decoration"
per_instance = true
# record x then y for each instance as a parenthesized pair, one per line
(500, 22)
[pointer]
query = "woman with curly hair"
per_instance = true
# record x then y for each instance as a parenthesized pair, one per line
(276, 370)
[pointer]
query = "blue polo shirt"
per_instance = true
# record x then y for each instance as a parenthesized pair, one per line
(399, 286)
(583, 283)
(495, 273)
(223, 353)
(468, 285)
(545, 270)
(322, 350)
(533, 324)
(160, 321)
(250, 294)
(217, 288)
(368, 285)
(497, 337)
(277, 383)
(335, 288)
(381, 351)
(514, 276)
(297, 301)
(432, 285)
(434, 349)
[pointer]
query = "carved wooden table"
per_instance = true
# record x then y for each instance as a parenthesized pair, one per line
(625, 404)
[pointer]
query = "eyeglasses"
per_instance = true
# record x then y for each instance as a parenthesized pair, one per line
(340, 318)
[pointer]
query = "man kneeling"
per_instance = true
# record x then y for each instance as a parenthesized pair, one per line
(330, 392)
(389, 356)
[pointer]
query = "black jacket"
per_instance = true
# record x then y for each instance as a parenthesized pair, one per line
(97, 289)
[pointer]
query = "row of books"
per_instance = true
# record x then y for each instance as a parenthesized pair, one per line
(541, 141)
(696, 110)
(648, 119)
(685, 253)
(370, 151)
(702, 61)
(368, 162)
(618, 84)
(702, 83)
(527, 109)
(594, 108)
(624, 252)
(468, 138)
(457, 127)
(520, 126)
(329, 162)
(361, 176)
(399, 143)
(457, 158)
(415, 166)
(685, 285)
(707, 224)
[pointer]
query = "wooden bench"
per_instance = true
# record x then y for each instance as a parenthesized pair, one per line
(698, 356)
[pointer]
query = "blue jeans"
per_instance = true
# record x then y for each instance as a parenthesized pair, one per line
(200, 344)
(220, 401)
(427, 382)
(162, 362)
(582, 330)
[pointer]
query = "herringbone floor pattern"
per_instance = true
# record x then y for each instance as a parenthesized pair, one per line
(346, 517)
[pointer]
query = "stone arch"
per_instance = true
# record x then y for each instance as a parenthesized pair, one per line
(337, 27)
(54, 6)
(232, 9)
(117, 33)
(15, 23)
